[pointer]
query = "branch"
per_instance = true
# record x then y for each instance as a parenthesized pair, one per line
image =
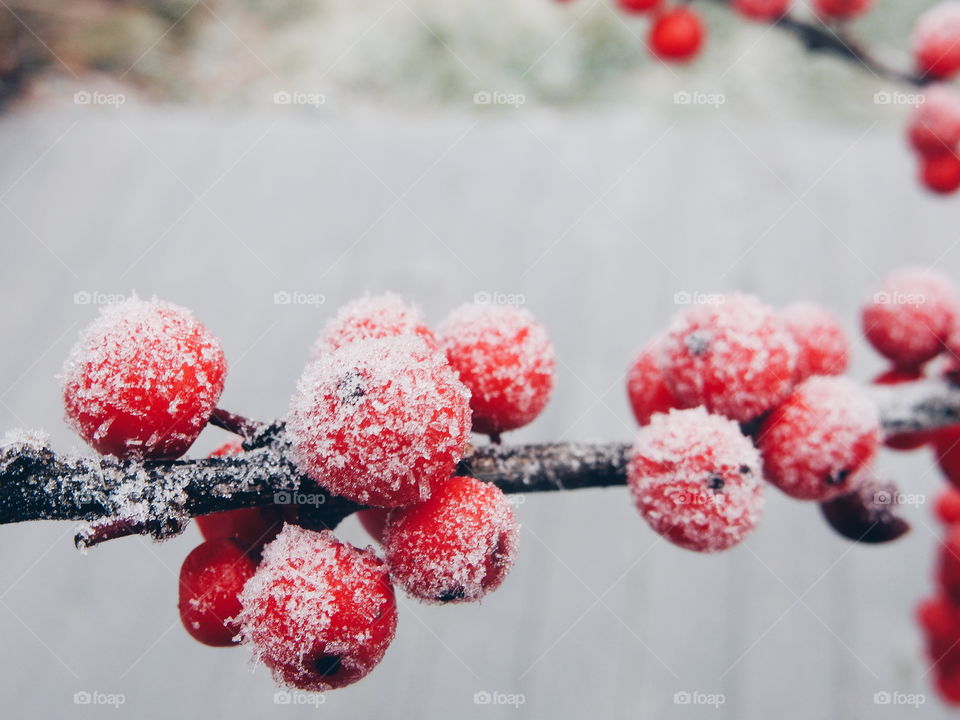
(121, 498)
(833, 39)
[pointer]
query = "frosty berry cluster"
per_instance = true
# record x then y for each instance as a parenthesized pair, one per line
(381, 416)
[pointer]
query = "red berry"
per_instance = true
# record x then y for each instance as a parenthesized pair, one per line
(822, 347)
(696, 479)
(736, 357)
(814, 444)
(638, 6)
(211, 578)
(320, 613)
(934, 126)
(906, 440)
(946, 448)
(947, 681)
(841, 9)
(765, 10)
(647, 389)
(676, 35)
(936, 41)
(142, 380)
(374, 520)
(939, 619)
(252, 527)
(947, 506)
(380, 422)
(948, 569)
(456, 546)
(370, 318)
(911, 315)
(503, 355)
(940, 173)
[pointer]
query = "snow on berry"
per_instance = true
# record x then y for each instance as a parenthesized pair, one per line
(647, 389)
(822, 347)
(908, 319)
(815, 443)
(841, 9)
(456, 546)
(765, 10)
(696, 479)
(676, 35)
(142, 380)
(372, 317)
(936, 41)
(319, 613)
(940, 173)
(381, 422)
(736, 357)
(211, 578)
(503, 355)
(934, 125)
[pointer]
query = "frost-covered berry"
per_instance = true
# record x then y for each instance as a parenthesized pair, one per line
(841, 9)
(647, 389)
(736, 357)
(319, 613)
(252, 527)
(908, 319)
(822, 347)
(936, 41)
(456, 546)
(815, 443)
(676, 35)
(638, 6)
(142, 380)
(765, 10)
(939, 618)
(940, 173)
(380, 422)
(934, 125)
(503, 355)
(905, 440)
(211, 578)
(947, 506)
(696, 479)
(370, 318)
(946, 449)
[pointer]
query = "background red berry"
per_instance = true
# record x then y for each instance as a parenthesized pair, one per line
(320, 613)
(936, 41)
(211, 578)
(696, 479)
(761, 9)
(142, 380)
(456, 546)
(934, 125)
(822, 347)
(676, 35)
(940, 173)
(381, 422)
(841, 9)
(506, 360)
(638, 6)
(946, 449)
(947, 505)
(817, 441)
(736, 357)
(370, 318)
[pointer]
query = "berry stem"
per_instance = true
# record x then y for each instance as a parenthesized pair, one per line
(237, 424)
(121, 497)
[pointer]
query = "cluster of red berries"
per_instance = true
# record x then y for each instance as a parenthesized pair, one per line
(381, 416)
(734, 392)
(933, 132)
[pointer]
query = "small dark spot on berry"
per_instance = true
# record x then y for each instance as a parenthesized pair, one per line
(698, 343)
(451, 595)
(745, 470)
(715, 483)
(327, 665)
(839, 477)
(350, 388)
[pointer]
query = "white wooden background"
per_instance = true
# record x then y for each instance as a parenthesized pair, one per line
(597, 223)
